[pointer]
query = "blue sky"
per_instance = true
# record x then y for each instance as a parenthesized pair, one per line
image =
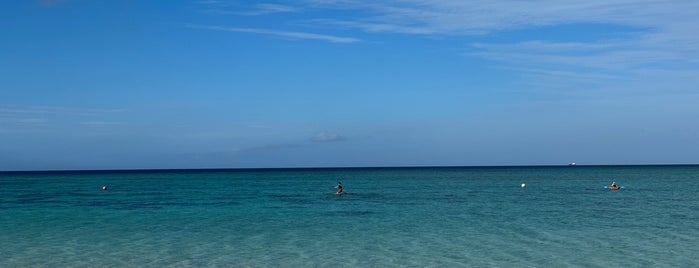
(321, 83)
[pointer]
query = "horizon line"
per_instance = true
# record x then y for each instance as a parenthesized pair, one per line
(223, 169)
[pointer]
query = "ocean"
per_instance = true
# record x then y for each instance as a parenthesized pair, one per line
(390, 217)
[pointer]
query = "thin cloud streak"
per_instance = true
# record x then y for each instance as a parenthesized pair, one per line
(284, 34)
(57, 110)
(327, 137)
(101, 123)
(375, 27)
(258, 10)
(50, 115)
(274, 8)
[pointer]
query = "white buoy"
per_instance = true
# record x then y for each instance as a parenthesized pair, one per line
(524, 185)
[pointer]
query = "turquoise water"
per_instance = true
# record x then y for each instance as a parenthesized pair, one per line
(402, 217)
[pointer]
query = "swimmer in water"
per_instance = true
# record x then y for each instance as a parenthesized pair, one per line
(339, 187)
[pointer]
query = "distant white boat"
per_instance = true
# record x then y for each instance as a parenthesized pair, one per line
(571, 164)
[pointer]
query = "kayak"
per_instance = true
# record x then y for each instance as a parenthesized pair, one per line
(614, 188)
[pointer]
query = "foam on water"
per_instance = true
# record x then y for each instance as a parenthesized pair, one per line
(440, 217)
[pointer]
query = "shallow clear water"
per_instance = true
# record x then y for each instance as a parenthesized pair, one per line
(414, 217)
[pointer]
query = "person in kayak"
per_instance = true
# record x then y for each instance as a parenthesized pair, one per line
(339, 187)
(613, 186)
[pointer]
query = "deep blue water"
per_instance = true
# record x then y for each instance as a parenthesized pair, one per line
(392, 217)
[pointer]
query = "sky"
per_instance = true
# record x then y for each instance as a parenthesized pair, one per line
(344, 83)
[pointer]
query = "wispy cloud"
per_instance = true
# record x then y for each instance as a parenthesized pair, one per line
(261, 9)
(655, 33)
(43, 115)
(668, 23)
(56, 110)
(283, 34)
(327, 137)
(234, 8)
(667, 33)
(376, 27)
(612, 66)
(457, 17)
(666, 28)
(100, 123)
